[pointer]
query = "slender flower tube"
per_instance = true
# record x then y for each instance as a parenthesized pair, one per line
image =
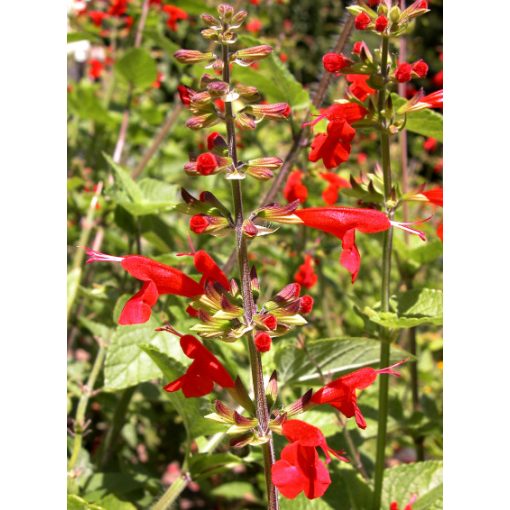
(343, 222)
(201, 375)
(159, 279)
(341, 393)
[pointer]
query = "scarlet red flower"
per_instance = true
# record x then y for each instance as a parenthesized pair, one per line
(254, 26)
(270, 321)
(201, 375)
(335, 62)
(305, 304)
(206, 163)
(159, 79)
(175, 14)
(430, 144)
(294, 188)
(97, 17)
(437, 80)
(381, 23)
(262, 342)
(159, 279)
(185, 94)
(336, 183)
(343, 222)
(359, 86)
(299, 468)
(95, 69)
(394, 504)
(341, 393)
(305, 275)
(361, 21)
(434, 100)
(357, 47)
(434, 195)
(421, 68)
(403, 72)
(117, 7)
(198, 223)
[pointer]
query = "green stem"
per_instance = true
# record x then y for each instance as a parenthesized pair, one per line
(248, 302)
(79, 420)
(385, 286)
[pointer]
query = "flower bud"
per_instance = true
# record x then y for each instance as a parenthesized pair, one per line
(202, 121)
(210, 33)
(381, 23)
(356, 49)
(420, 68)
(238, 19)
(361, 21)
(193, 56)
(215, 142)
(245, 121)
(211, 21)
(335, 62)
(270, 111)
(395, 14)
(403, 72)
(246, 56)
(247, 92)
(225, 11)
(206, 163)
(185, 94)
(270, 322)
(202, 223)
(279, 213)
(262, 342)
(306, 304)
(217, 88)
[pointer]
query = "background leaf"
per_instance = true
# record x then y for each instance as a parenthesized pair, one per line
(137, 67)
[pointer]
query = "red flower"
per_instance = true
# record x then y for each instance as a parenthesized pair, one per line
(305, 275)
(159, 279)
(254, 26)
(403, 72)
(117, 7)
(434, 100)
(359, 86)
(201, 375)
(262, 342)
(430, 144)
(159, 79)
(305, 304)
(361, 21)
(174, 15)
(394, 504)
(336, 183)
(343, 222)
(97, 17)
(437, 80)
(357, 47)
(299, 468)
(206, 163)
(341, 393)
(95, 69)
(185, 94)
(335, 62)
(434, 195)
(381, 23)
(421, 68)
(294, 188)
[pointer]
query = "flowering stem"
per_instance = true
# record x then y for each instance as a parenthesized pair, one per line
(385, 285)
(247, 294)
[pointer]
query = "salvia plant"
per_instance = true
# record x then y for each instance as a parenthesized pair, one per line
(272, 414)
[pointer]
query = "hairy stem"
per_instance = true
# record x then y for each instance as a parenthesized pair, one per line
(385, 286)
(249, 304)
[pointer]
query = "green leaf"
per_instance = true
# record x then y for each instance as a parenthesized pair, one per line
(421, 478)
(196, 7)
(424, 122)
(207, 464)
(235, 490)
(137, 67)
(163, 42)
(111, 502)
(191, 410)
(125, 180)
(332, 355)
(127, 365)
(414, 307)
(81, 36)
(97, 329)
(273, 79)
(76, 503)
(84, 103)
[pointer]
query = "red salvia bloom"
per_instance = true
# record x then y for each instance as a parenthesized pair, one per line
(299, 468)
(117, 7)
(254, 26)
(361, 21)
(294, 187)
(305, 275)
(95, 69)
(262, 342)
(305, 304)
(343, 222)
(97, 17)
(206, 163)
(201, 375)
(403, 72)
(421, 68)
(341, 393)
(434, 195)
(185, 94)
(381, 23)
(159, 279)
(359, 86)
(430, 144)
(434, 100)
(336, 183)
(175, 14)
(335, 62)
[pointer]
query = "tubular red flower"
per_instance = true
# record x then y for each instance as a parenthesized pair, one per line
(262, 342)
(300, 469)
(206, 163)
(434, 195)
(305, 275)
(201, 375)
(381, 23)
(403, 72)
(341, 393)
(335, 62)
(175, 14)
(421, 68)
(359, 86)
(342, 222)
(361, 21)
(294, 187)
(205, 264)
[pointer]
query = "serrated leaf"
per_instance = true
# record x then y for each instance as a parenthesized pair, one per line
(414, 307)
(191, 410)
(273, 79)
(137, 67)
(332, 355)
(97, 329)
(126, 365)
(423, 122)
(424, 479)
